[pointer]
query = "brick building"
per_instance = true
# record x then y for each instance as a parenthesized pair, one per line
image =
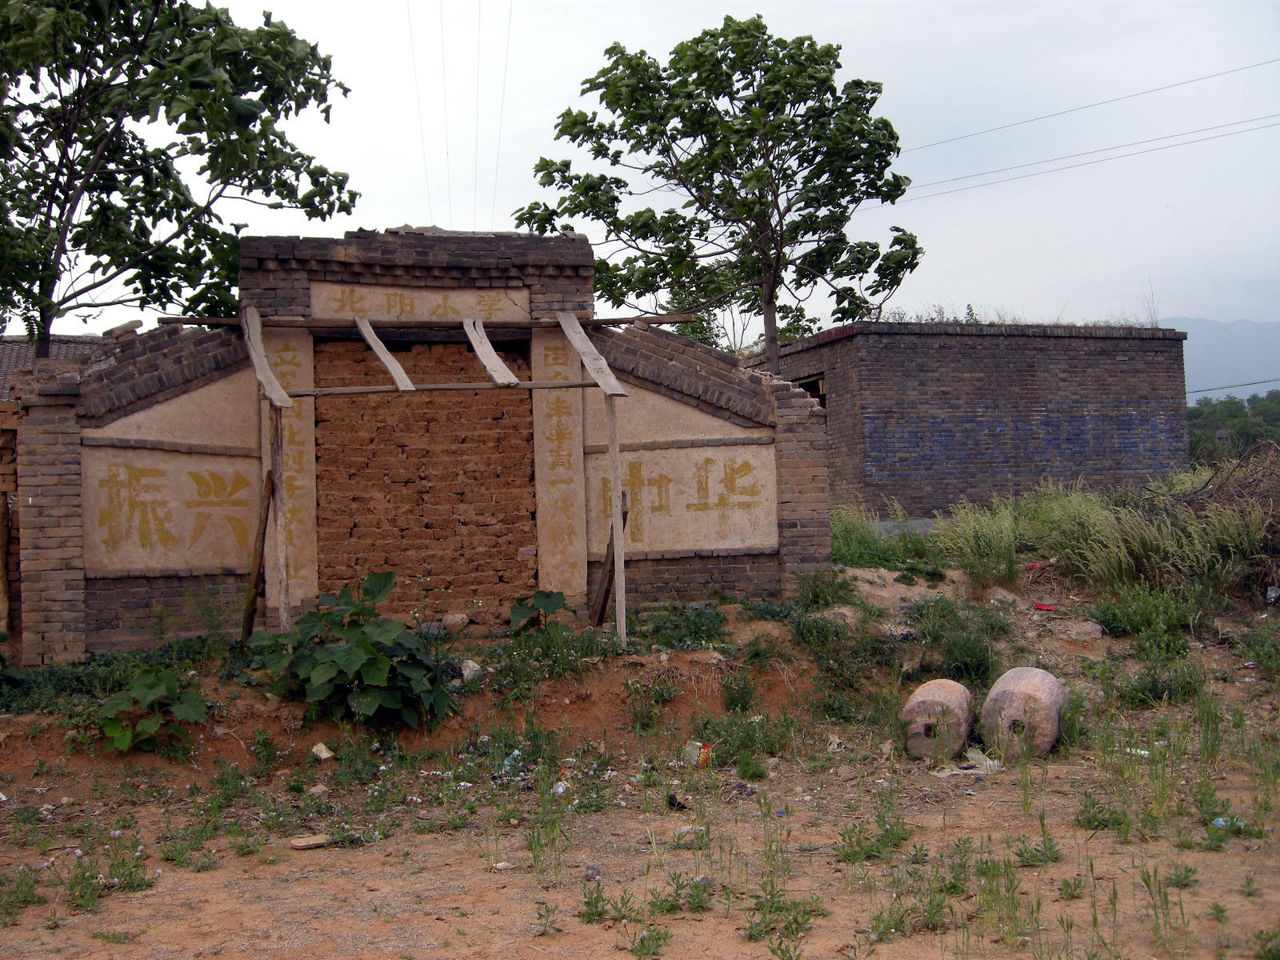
(472, 459)
(932, 413)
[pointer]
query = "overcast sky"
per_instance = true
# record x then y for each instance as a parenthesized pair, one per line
(451, 105)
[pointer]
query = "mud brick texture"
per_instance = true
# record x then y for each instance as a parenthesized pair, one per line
(931, 414)
(138, 612)
(437, 486)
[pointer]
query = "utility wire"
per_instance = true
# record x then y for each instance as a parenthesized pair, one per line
(475, 136)
(444, 103)
(502, 109)
(1085, 153)
(417, 90)
(1089, 106)
(1229, 386)
(1087, 163)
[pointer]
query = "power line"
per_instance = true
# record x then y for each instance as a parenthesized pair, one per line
(444, 102)
(1085, 153)
(1087, 163)
(475, 129)
(502, 109)
(417, 90)
(1089, 106)
(1229, 386)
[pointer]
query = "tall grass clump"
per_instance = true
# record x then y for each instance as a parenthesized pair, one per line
(1197, 538)
(857, 542)
(982, 542)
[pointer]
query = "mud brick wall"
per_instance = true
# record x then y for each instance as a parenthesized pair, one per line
(437, 486)
(137, 612)
(930, 414)
(8, 489)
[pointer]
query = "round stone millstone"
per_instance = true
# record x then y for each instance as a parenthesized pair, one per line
(1022, 712)
(937, 717)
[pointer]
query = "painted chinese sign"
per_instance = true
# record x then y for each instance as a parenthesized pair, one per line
(410, 305)
(160, 510)
(690, 498)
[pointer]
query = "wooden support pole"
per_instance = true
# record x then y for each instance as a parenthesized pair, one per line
(615, 496)
(599, 602)
(257, 563)
(277, 506)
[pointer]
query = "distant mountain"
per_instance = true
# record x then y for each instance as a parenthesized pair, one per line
(1218, 353)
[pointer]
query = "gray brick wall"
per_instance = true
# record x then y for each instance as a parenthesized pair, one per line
(929, 414)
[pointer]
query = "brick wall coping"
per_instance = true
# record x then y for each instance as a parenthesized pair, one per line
(879, 328)
(688, 371)
(408, 247)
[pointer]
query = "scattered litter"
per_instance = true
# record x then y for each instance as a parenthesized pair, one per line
(1229, 823)
(697, 754)
(503, 865)
(591, 871)
(512, 761)
(975, 763)
(834, 743)
(1050, 607)
(3, 798)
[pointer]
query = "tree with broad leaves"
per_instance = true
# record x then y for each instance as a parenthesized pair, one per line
(126, 126)
(767, 160)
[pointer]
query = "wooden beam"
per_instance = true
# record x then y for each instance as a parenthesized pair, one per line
(402, 381)
(595, 364)
(257, 567)
(427, 387)
(251, 324)
(493, 364)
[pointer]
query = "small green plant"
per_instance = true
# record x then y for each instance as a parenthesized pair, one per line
(1071, 888)
(349, 663)
(1182, 876)
(646, 700)
(1267, 944)
(737, 691)
(750, 768)
(17, 892)
(148, 713)
(1251, 890)
(857, 844)
(648, 943)
(595, 906)
(1045, 852)
(546, 922)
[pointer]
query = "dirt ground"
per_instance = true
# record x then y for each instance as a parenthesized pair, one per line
(475, 891)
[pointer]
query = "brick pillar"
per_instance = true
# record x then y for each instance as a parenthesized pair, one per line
(51, 556)
(804, 510)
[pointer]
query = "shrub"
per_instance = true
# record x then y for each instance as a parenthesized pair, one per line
(959, 638)
(681, 626)
(149, 708)
(349, 663)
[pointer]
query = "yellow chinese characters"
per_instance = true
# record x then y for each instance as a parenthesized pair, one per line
(137, 510)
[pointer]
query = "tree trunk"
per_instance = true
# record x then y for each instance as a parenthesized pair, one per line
(769, 305)
(46, 324)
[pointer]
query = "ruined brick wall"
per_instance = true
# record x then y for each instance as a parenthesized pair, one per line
(930, 414)
(437, 486)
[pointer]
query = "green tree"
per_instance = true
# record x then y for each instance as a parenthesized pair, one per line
(767, 160)
(126, 126)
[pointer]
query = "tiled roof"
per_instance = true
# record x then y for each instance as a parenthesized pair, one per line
(17, 353)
